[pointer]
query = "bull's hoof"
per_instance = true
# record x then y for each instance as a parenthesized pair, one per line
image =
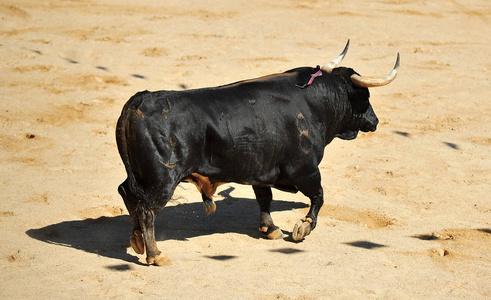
(210, 206)
(159, 260)
(136, 241)
(302, 229)
(272, 233)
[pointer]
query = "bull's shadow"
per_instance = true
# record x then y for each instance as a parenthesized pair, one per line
(109, 236)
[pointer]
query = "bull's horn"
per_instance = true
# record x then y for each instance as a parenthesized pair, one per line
(367, 82)
(335, 62)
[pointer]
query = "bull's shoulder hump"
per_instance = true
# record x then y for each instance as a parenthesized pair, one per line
(264, 79)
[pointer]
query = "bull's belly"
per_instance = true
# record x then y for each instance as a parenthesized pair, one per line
(245, 167)
(207, 179)
(208, 186)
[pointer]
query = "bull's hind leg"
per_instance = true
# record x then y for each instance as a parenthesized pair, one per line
(266, 225)
(147, 221)
(154, 199)
(143, 217)
(131, 203)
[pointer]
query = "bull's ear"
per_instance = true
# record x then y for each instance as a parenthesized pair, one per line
(345, 72)
(122, 190)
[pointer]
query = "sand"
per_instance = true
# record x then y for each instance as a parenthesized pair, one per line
(407, 210)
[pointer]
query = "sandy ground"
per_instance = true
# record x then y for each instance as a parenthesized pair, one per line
(407, 213)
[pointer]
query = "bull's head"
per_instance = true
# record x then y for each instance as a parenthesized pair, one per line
(363, 117)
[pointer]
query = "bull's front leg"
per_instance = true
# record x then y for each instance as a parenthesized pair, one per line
(310, 187)
(264, 196)
(306, 225)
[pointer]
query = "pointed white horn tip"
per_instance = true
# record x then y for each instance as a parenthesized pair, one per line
(375, 82)
(335, 62)
(398, 61)
(393, 73)
(343, 54)
(345, 50)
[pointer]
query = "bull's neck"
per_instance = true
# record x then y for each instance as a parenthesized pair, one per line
(337, 112)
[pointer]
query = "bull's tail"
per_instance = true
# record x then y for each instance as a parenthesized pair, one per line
(129, 190)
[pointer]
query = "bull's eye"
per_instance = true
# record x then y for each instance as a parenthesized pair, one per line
(361, 107)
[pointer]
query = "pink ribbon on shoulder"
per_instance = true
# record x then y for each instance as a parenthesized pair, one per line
(312, 77)
(316, 74)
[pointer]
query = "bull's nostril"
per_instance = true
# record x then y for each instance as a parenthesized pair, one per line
(376, 122)
(374, 125)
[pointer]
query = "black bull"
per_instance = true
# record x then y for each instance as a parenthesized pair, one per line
(266, 132)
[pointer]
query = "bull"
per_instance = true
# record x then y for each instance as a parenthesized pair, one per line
(268, 132)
